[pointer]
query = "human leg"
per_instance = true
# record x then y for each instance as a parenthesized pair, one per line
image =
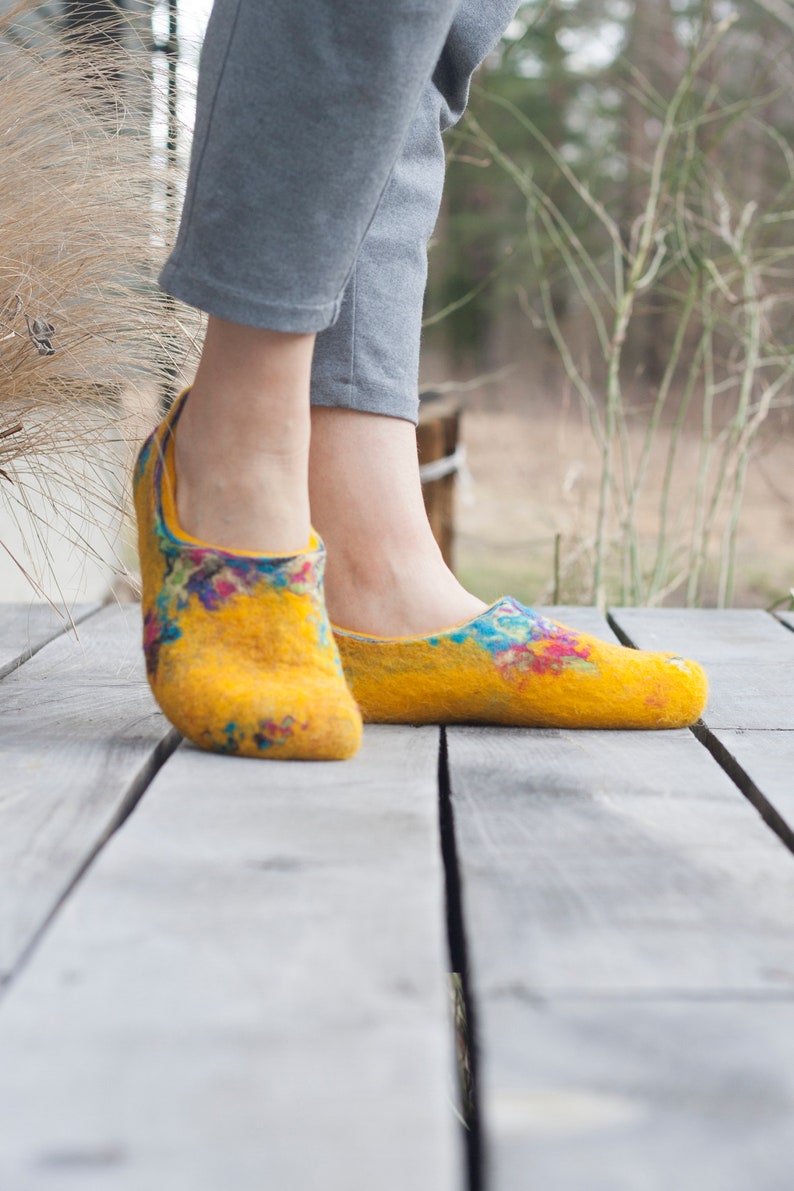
(387, 581)
(243, 444)
(386, 574)
(233, 664)
(301, 111)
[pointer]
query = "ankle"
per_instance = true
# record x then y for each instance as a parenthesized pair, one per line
(238, 493)
(242, 441)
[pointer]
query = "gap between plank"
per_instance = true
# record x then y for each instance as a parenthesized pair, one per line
(459, 964)
(137, 788)
(738, 775)
(741, 778)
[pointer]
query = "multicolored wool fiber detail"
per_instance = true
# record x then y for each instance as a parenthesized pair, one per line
(511, 666)
(239, 652)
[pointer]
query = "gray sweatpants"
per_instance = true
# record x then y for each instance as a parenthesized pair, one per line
(316, 176)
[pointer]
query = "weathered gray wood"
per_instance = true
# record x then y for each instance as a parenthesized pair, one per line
(626, 1096)
(787, 618)
(744, 695)
(25, 628)
(247, 990)
(612, 862)
(79, 731)
(767, 758)
(748, 655)
(707, 634)
(611, 884)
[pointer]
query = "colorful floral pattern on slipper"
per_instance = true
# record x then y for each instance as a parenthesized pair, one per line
(239, 652)
(512, 666)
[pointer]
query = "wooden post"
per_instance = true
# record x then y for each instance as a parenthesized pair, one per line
(437, 439)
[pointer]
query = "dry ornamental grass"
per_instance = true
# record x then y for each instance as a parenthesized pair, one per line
(84, 331)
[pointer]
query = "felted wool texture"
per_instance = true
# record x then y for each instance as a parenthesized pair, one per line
(239, 652)
(511, 666)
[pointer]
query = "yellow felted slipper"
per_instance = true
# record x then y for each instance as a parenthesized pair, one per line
(239, 652)
(511, 666)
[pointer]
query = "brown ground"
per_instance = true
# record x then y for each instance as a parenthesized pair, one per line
(534, 473)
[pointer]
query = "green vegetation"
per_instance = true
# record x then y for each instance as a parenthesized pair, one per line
(625, 180)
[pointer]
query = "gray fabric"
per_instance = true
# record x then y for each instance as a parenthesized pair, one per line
(369, 360)
(316, 176)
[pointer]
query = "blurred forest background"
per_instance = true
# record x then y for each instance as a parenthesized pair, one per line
(615, 254)
(610, 291)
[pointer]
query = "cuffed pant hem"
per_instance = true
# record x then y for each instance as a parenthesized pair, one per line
(247, 309)
(377, 401)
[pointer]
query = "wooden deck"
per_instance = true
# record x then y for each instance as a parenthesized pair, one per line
(224, 975)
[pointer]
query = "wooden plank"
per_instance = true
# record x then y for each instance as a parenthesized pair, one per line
(79, 733)
(787, 619)
(605, 862)
(620, 896)
(767, 759)
(248, 990)
(25, 628)
(707, 634)
(622, 1096)
(748, 654)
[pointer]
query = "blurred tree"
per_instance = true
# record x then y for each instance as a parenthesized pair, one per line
(545, 73)
(587, 84)
(646, 73)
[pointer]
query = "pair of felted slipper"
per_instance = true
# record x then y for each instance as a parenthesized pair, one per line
(242, 659)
